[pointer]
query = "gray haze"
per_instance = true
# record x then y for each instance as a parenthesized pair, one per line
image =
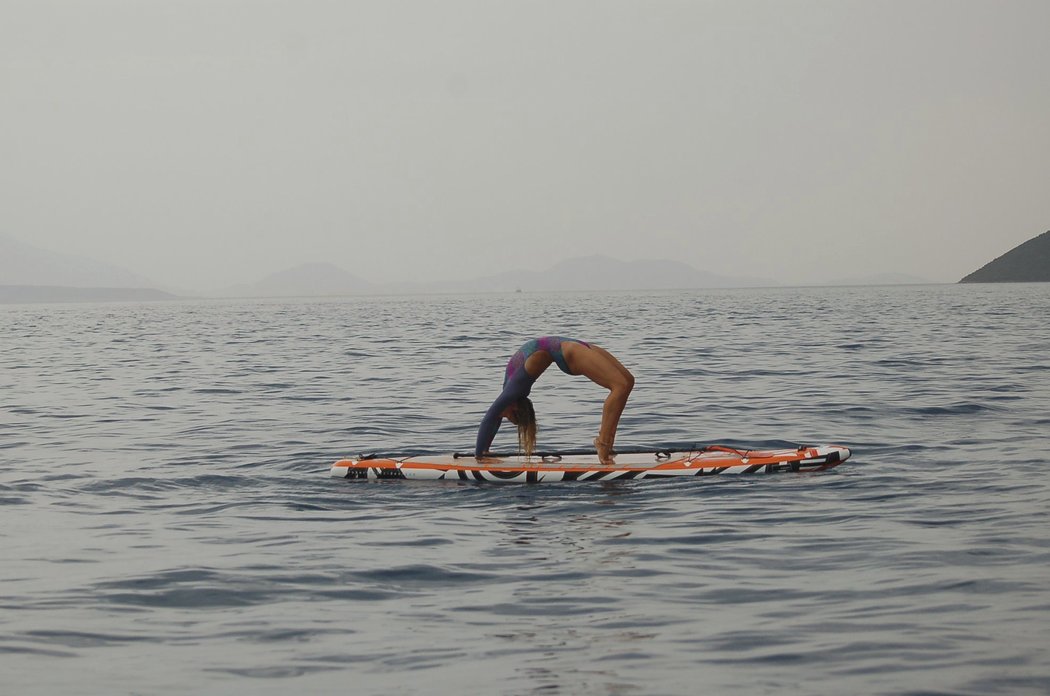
(202, 143)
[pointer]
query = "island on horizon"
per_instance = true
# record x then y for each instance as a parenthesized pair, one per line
(1026, 263)
(27, 294)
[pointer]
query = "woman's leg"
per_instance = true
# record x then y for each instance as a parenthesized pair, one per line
(602, 368)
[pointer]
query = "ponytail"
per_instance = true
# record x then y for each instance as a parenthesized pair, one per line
(526, 417)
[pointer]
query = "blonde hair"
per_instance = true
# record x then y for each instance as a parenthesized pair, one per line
(526, 417)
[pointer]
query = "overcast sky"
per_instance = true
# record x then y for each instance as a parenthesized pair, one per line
(206, 142)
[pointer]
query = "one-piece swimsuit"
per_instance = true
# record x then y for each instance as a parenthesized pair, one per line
(517, 384)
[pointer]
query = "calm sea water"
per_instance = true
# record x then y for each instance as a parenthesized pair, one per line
(168, 525)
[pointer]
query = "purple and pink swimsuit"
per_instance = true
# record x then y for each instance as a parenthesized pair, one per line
(517, 384)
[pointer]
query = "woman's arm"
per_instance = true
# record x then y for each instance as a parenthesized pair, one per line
(517, 387)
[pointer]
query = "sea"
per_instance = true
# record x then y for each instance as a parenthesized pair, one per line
(168, 524)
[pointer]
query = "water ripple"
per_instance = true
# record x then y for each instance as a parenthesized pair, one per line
(169, 525)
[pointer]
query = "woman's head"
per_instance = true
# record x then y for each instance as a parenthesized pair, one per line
(525, 418)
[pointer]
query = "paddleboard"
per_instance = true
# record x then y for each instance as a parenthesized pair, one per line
(585, 466)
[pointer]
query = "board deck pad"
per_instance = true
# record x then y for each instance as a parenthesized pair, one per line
(585, 466)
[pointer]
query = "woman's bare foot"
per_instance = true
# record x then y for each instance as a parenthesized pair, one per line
(605, 453)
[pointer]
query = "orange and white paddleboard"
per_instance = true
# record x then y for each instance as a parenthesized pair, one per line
(585, 466)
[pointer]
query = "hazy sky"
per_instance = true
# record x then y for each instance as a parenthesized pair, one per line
(205, 142)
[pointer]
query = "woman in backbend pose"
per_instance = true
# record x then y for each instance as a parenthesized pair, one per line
(574, 358)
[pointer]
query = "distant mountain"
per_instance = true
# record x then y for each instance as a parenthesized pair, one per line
(586, 273)
(307, 280)
(25, 264)
(882, 279)
(595, 273)
(1027, 263)
(18, 294)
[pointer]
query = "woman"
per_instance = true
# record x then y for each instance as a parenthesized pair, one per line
(574, 358)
